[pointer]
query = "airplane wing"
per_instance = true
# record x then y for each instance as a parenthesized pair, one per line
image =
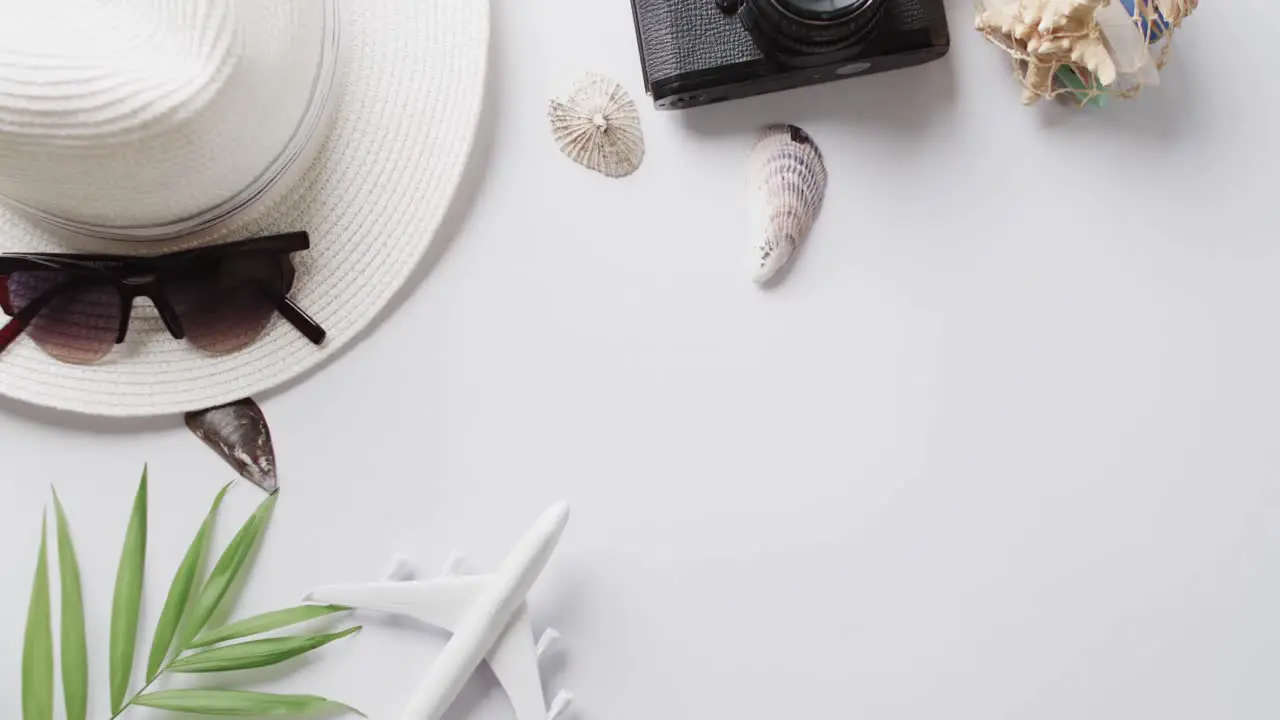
(514, 661)
(443, 602)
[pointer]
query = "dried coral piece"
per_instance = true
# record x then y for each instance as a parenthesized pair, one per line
(788, 182)
(1175, 11)
(597, 125)
(1170, 12)
(1089, 48)
(1042, 35)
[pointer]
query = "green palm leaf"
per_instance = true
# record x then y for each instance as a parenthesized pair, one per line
(229, 565)
(127, 601)
(265, 622)
(37, 649)
(188, 609)
(175, 603)
(75, 655)
(237, 703)
(255, 653)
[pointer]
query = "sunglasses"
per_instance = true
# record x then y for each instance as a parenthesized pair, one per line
(218, 298)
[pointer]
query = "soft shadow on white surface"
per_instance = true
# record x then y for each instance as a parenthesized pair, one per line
(85, 423)
(902, 101)
(480, 687)
(1159, 117)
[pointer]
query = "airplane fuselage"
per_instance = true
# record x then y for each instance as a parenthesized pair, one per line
(481, 627)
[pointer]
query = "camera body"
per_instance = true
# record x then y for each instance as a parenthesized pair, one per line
(697, 52)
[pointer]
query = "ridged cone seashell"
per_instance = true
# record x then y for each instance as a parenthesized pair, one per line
(788, 182)
(597, 125)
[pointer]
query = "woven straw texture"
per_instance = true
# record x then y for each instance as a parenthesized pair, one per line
(408, 105)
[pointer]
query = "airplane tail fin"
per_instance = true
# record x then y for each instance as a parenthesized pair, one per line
(547, 642)
(561, 703)
(400, 569)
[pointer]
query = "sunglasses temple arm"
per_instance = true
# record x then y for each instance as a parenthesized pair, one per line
(298, 318)
(22, 320)
(5, 303)
(12, 329)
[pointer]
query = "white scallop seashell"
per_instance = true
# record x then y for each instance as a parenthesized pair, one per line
(597, 126)
(788, 182)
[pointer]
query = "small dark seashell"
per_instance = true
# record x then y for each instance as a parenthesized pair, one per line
(238, 433)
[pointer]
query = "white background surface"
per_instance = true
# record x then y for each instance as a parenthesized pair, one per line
(1003, 445)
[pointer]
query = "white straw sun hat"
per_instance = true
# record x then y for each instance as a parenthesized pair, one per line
(145, 126)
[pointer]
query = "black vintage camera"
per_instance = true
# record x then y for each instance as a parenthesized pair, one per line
(696, 52)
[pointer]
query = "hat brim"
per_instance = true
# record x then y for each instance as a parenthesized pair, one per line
(373, 201)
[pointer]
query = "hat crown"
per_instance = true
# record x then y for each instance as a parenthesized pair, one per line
(152, 116)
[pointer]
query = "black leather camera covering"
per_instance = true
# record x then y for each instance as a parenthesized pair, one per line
(680, 36)
(692, 44)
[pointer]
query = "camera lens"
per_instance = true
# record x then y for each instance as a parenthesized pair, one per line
(793, 29)
(819, 9)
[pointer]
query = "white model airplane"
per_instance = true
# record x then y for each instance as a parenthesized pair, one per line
(487, 616)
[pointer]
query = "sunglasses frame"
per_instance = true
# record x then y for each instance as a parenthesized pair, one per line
(135, 277)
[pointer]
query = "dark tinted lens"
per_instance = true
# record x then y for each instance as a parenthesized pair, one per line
(822, 9)
(796, 32)
(79, 325)
(226, 303)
